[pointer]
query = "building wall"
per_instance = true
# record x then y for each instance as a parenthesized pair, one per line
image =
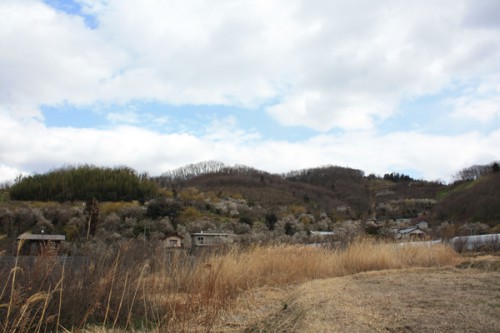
(210, 239)
(173, 241)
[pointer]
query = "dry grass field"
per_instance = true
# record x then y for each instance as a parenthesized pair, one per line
(465, 298)
(366, 286)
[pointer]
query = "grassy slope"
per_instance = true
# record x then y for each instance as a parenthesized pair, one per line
(473, 201)
(460, 187)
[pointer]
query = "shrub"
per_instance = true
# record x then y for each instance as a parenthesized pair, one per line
(246, 220)
(271, 220)
(163, 207)
(190, 214)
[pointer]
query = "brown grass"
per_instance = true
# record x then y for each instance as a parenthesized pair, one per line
(408, 300)
(141, 286)
(285, 264)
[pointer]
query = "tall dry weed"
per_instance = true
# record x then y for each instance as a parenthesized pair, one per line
(140, 285)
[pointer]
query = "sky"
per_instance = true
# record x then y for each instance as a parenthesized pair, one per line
(279, 85)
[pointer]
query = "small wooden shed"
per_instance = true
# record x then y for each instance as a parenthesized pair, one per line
(173, 241)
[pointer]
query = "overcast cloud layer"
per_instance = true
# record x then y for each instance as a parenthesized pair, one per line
(380, 86)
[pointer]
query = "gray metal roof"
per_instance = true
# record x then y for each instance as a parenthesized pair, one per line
(409, 230)
(42, 237)
(210, 234)
(322, 233)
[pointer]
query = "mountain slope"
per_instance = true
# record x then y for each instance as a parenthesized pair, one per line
(474, 201)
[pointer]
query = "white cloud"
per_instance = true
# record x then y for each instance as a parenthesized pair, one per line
(482, 109)
(361, 64)
(49, 57)
(29, 147)
(331, 63)
(483, 13)
(8, 174)
(325, 111)
(317, 64)
(480, 103)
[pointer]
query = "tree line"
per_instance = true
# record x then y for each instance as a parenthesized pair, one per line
(191, 171)
(85, 183)
(398, 177)
(477, 171)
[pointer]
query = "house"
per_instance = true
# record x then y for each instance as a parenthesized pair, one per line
(173, 241)
(322, 233)
(402, 222)
(422, 225)
(208, 239)
(35, 244)
(321, 238)
(412, 233)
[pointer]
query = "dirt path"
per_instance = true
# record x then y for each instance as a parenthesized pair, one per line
(463, 299)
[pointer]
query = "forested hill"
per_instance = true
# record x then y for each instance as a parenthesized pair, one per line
(471, 200)
(324, 188)
(255, 204)
(346, 191)
(342, 192)
(84, 183)
(473, 197)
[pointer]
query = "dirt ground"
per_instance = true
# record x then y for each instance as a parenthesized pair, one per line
(465, 298)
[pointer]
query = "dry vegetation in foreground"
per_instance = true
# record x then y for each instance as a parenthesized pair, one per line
(409, 300)
(140, 286)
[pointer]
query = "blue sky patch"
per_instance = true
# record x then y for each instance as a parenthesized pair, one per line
(167, 119)
(72, 7)
(70, 116)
